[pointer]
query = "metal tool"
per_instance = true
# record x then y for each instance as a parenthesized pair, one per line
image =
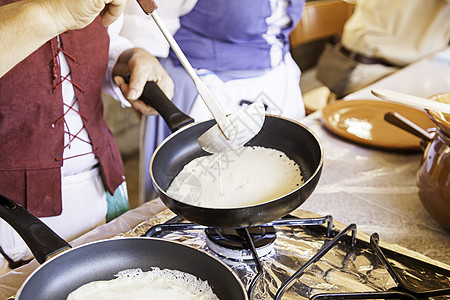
(231, 132)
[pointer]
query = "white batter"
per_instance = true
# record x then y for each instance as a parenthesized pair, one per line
(249, 176)
(156, 284)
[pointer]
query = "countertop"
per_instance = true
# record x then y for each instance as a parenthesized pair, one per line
(376, 190)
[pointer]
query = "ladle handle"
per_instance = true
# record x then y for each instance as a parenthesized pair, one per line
(148, 6)
(202, 89)
(155, 97)
(409, 100)
(405, 124)
(41, 240)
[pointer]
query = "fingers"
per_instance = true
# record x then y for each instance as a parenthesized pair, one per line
(143, 108)
(125, 88)
(121, 84)
(166, 84)
(112, 11)
(138, 105)
(145, 67)
(70, 15)
(136, 85)
(142, 67)
(130, 93)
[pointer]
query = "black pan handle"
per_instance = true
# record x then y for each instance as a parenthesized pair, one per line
(155, 97)
(41, 240)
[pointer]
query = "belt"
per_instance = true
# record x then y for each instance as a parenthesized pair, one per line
(365, 59)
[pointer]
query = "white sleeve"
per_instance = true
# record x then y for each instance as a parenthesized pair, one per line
(142, 31)
(117, 45)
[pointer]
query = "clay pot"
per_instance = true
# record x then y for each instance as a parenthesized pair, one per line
(433, 177)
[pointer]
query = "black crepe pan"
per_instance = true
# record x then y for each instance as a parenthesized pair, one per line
(294, 139)
(70, 268)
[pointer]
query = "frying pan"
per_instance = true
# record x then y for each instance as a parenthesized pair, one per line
(71, 268)
(294, 139)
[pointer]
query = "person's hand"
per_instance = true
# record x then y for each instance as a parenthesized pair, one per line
(70, 14)
(142, 67)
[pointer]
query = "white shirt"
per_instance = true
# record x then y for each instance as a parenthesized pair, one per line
(78, 156)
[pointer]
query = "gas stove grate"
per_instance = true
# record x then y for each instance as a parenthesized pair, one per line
(395, 263)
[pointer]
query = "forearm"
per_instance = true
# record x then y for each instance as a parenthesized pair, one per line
(25, 26)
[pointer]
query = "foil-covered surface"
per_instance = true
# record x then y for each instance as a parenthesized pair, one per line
(342, 269)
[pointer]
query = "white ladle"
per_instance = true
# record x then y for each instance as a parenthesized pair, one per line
(231, 132)
(413, 101)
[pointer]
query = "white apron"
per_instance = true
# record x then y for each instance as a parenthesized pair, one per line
(84, 207)
(277, 88)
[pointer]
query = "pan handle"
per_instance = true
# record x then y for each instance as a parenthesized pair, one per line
(405, 124)
(155, 97)
(41, 240)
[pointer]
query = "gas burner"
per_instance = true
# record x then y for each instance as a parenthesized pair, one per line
(232, 244)
(302, 266)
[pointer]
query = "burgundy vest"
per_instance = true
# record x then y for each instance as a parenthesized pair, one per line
(32, 139)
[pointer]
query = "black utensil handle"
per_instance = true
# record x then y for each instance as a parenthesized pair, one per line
(155, 97)
(41, 240)
(407, 125)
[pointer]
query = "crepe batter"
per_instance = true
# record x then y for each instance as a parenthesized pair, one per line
(154, 284)
(246, 177)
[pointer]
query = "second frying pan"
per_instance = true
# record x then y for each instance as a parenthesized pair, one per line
(102, 260)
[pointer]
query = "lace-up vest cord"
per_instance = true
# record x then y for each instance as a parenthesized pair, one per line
(31, 110)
